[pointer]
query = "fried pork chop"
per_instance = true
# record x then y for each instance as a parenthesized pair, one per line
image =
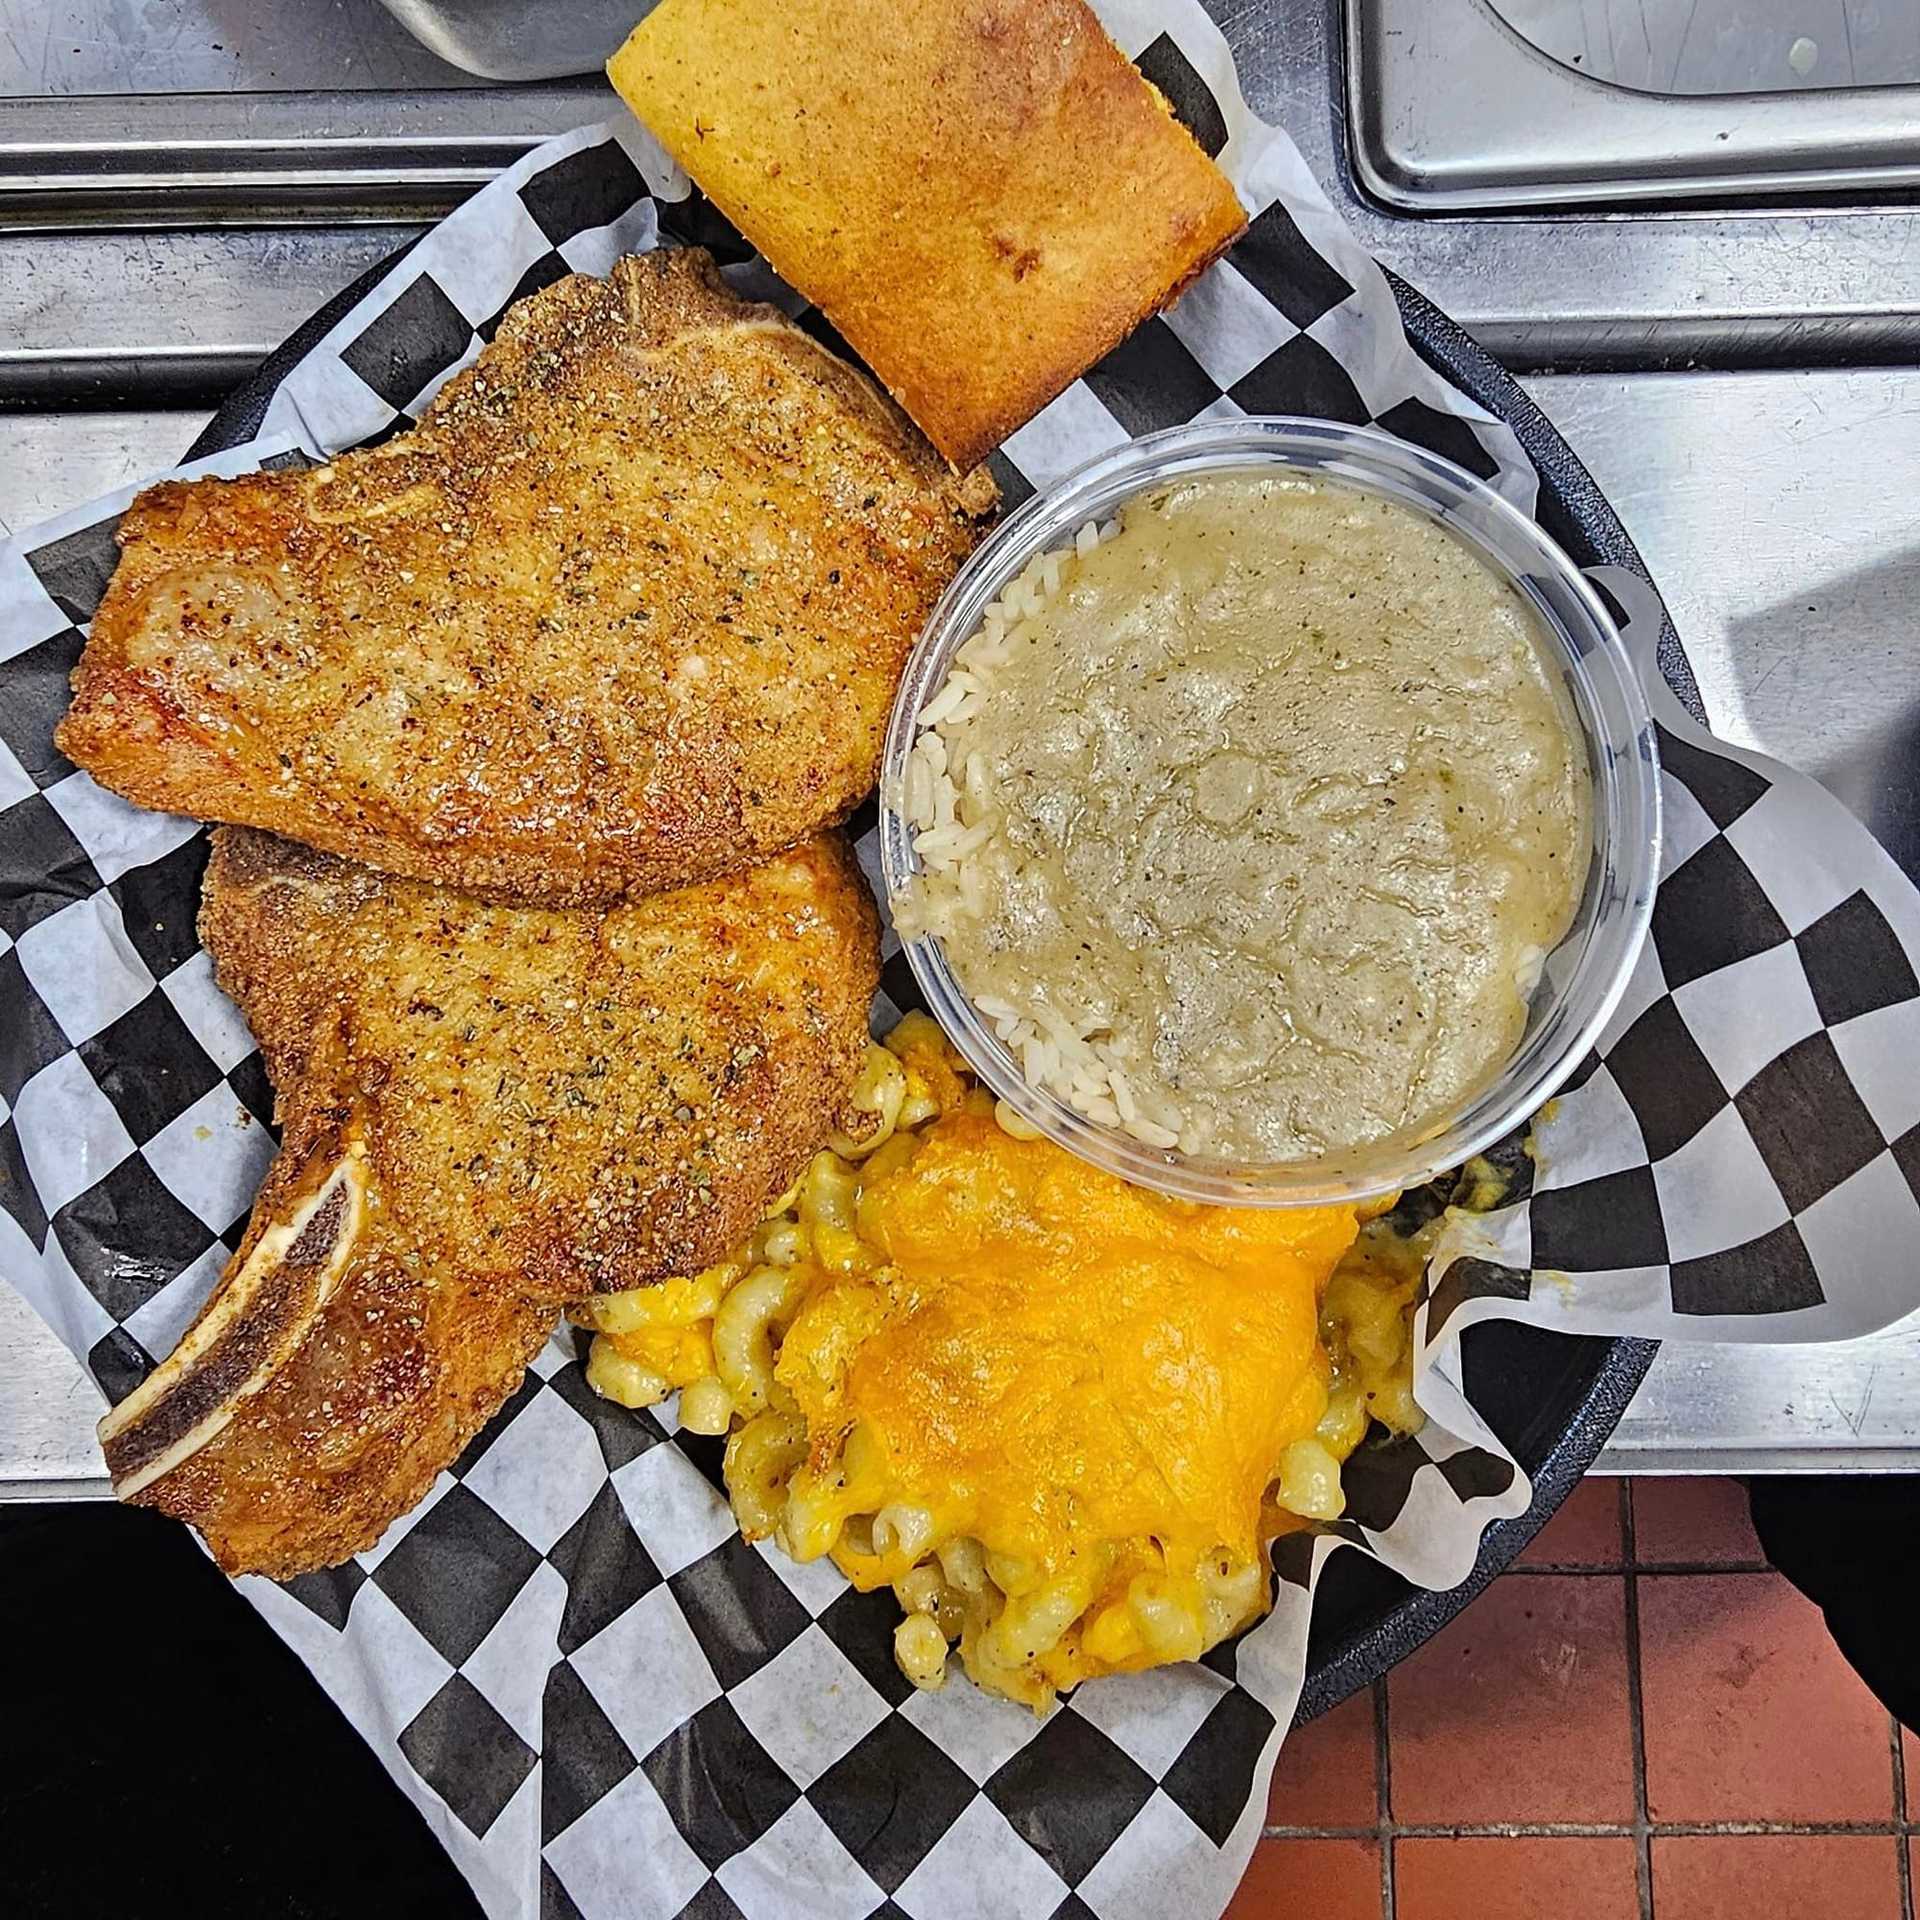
(625, 611)
(487, 1111)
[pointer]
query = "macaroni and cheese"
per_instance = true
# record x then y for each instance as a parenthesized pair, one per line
(1062, 1417)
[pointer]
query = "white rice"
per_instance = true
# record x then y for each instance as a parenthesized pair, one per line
(1059, 1051)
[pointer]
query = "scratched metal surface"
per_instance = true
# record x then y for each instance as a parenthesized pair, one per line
(1727, 46)
(209, 46)
(510, 40)
(1455, 110)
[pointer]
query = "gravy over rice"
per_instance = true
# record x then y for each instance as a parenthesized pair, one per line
(1249, 820)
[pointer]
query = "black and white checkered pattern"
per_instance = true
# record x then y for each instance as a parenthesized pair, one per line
(1741, 1157)
(575, 1664)
(603, 1700)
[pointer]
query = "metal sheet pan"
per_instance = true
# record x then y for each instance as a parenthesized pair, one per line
(1451, 108)
(514, 40)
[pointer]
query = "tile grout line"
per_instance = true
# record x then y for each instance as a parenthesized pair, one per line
(1599, 1830)
(1657, 1569)
(1386, 1831)
(1902, 1845)
(1383, 1799)
(1636, 1706)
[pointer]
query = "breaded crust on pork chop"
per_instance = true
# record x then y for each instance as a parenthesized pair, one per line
(487, 1111)
(625, 611)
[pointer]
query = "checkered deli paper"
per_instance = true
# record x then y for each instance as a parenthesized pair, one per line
(604, 1702)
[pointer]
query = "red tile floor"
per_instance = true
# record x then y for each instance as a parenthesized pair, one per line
(1639, 1721)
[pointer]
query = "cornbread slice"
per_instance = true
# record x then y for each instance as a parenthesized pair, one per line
(983, 196)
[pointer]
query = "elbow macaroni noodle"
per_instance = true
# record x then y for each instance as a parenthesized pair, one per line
(1024, 1629)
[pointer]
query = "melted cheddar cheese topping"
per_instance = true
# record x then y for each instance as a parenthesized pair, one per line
(1050, 1358)
(1061, 1416)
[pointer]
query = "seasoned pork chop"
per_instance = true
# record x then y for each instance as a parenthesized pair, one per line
(625, 611)
(488, 1111)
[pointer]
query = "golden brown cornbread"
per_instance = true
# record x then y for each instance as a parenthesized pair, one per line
(984, 196)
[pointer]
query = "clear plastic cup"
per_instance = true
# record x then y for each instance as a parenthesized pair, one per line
(1583, 977)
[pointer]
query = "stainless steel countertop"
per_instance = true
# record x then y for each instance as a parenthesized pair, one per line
(74, 47)
(1769, 487)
